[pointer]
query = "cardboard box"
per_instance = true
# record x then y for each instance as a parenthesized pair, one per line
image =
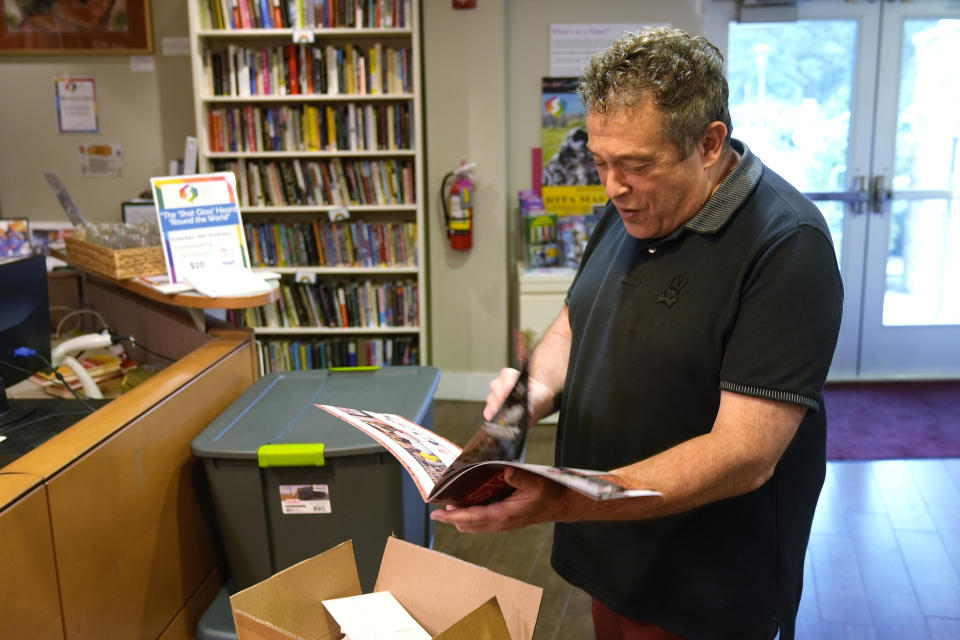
(450, 598)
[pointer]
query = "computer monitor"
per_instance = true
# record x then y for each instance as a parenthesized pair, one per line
(25, 322)
(24, 318)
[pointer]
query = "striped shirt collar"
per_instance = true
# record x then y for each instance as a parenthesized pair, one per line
(731, 193)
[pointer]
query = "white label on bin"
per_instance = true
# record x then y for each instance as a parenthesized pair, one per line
(305, 498)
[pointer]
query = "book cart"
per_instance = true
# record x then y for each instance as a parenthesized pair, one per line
(316, 107)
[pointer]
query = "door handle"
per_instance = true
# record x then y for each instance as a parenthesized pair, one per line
(879, 194)
(857, 198)
(859, 205)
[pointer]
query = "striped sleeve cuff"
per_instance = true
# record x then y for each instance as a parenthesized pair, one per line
(771, 394)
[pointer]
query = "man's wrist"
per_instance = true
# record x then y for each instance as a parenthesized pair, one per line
(543, 401)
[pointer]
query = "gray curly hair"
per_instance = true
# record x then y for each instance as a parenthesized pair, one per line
(679, 72)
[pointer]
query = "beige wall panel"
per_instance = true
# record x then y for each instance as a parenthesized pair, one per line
(147, 112)
(127, 104)
(174, 85)
(29, 602)
(132, 541)
(465, 119)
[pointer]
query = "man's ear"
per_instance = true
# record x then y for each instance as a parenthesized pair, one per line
(711, 143)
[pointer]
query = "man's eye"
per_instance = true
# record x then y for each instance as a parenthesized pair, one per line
(635, 168)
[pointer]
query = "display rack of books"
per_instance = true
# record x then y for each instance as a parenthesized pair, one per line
(314, 105)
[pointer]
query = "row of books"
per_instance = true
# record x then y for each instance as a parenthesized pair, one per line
(298, 355)
(316, 243)
(299, 14)
(307, 127)
(352, 304)
(322, 182)
(308, 69)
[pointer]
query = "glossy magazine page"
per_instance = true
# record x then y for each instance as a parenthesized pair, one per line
(428, 458)
(425, 455)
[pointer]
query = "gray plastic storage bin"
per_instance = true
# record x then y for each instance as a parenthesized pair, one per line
(273, 516)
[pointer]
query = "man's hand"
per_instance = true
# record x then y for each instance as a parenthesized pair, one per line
(535, 500)
(499, 389)
(540, 399)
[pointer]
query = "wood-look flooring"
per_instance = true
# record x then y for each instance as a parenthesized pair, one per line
(883, 561)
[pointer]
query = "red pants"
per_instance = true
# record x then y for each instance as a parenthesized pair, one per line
(608, 625)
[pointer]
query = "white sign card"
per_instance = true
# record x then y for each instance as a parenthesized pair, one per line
(200, 224)
(77, 105)
(103, 160)
(572, 45)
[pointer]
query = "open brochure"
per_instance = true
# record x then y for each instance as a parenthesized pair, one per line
(445, 474)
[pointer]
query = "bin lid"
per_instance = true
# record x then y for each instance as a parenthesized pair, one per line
(279, 409)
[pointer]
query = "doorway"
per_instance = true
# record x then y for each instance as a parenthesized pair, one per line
(856, 104)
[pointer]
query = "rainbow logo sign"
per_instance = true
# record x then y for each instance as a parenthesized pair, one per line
(554, 106)
(188, 192)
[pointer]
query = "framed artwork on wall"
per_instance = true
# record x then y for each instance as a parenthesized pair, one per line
(55, 27)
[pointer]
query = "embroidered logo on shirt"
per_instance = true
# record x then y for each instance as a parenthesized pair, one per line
(668, 297)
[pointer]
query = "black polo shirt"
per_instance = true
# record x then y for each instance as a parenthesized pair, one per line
(746, 297)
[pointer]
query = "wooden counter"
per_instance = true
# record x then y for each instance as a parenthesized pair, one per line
(107, 528)
(192, 301)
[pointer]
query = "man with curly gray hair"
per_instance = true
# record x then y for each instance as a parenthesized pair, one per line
(690, 357)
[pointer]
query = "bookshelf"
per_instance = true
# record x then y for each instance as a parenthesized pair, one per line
(315, 105)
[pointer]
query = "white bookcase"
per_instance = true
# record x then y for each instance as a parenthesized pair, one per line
(319, 116)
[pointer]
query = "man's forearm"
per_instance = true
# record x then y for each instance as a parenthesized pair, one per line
(737, 456)
(548, 366)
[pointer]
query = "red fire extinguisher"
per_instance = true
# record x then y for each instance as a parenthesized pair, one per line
(458, 206)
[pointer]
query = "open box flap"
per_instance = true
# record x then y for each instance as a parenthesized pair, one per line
(483, 623)
(289, 604)
(250, 628)
(438, 589)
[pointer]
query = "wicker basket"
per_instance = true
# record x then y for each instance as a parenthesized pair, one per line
(119, 264)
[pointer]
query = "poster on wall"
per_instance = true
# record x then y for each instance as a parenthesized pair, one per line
(570, 184)
(76, 100)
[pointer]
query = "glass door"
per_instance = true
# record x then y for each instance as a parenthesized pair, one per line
(843, 101)
(911, 308)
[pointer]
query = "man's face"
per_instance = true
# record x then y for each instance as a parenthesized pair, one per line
(655, 189)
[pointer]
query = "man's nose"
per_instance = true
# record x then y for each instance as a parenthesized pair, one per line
(614, 184)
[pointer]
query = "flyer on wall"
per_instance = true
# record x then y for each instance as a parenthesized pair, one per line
(202, 234)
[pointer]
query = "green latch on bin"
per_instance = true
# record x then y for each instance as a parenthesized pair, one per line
(291, 455)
